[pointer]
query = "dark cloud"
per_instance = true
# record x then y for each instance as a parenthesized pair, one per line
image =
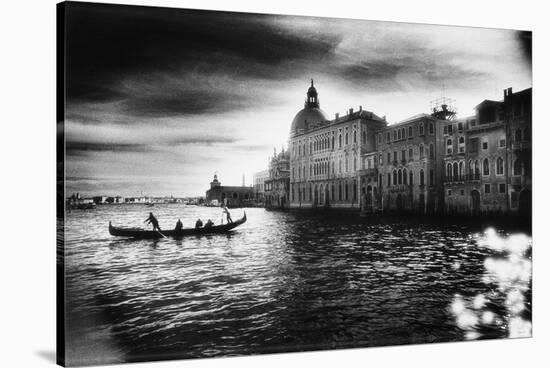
(80, 147)
(525, 39)
(108, 43)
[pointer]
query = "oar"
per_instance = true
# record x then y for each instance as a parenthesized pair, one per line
(161, 234)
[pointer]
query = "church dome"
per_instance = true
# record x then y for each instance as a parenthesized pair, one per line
(311, 113)
(306, 116)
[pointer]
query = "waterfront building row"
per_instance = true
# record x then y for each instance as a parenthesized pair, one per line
(429, 163)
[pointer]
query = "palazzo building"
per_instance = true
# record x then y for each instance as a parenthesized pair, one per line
(277, 183)
(326, 155)
(493, 173)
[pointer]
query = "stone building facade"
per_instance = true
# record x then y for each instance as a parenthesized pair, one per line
(498, 157)
(409, 165)
(232, 196)
(326, 155)
(259, 180)
(277, 184)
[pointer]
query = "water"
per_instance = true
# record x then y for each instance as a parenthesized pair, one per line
(280, 282)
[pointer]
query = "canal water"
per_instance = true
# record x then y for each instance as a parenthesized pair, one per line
(283, 281)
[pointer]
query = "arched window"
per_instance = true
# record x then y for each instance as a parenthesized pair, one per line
(421, 129)
(449, 171)
(455, 171)
(340, 166)
(431, 128)
(340, 191)
(394, 177)
(340, 141)
(486, 167)
(432, 177)
(332, 142)
(395, 135)
(332, 192)
(389, 179)
(403, 133)
(517, 167)
(421, 177)
(410, 131)
(346, 139)
(410, 153)
(355, 136)
(518, 135)
(500, 166)
(346, 191)
(355, 164)
(421, 150)
(405, 176)
(432, 153)
(476, 169)
(461, 170)
(411, 178)
(399, 177)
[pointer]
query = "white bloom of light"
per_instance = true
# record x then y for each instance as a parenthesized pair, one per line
(458, 306)
(472, 335)
(517, 244)
(479, 301)
(466, 320)
(514, 301)
(487, 317)
(492, 240)
(518, 327)
(456, 265)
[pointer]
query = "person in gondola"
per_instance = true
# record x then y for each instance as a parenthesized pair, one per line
(179, 225)
(209, 224)
(198, 224)
(227, 214)
(153, 221)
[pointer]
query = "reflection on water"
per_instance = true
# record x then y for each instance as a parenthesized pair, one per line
(506, 309)
(281, 282)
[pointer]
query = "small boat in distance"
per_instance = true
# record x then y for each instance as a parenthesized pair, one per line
(138, 233)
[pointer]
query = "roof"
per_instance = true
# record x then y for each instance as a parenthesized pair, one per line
(487, 102)
(307, 116)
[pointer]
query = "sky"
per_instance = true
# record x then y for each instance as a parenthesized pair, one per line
(158, 100)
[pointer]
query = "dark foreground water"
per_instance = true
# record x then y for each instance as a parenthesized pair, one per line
(282, 282)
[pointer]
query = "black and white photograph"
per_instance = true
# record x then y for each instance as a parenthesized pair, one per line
(234, 183)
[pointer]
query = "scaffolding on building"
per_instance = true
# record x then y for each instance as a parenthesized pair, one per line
(443, 108)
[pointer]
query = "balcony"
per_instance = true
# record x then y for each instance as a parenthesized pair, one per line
(516, 180)
(367, 172)
(455, 179)
(520, 146)
(400, 188)
(473, 177)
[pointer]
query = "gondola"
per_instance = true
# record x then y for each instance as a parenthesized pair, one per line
(138, 233)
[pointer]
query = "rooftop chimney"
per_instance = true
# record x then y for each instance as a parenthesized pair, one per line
(337, 115)
(360, 108)
(351, 111)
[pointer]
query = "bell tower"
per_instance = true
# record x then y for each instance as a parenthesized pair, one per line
(312, 99)
(215, 183)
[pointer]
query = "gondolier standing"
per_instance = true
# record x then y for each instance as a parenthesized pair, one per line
(153, 221)
(228, 215)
